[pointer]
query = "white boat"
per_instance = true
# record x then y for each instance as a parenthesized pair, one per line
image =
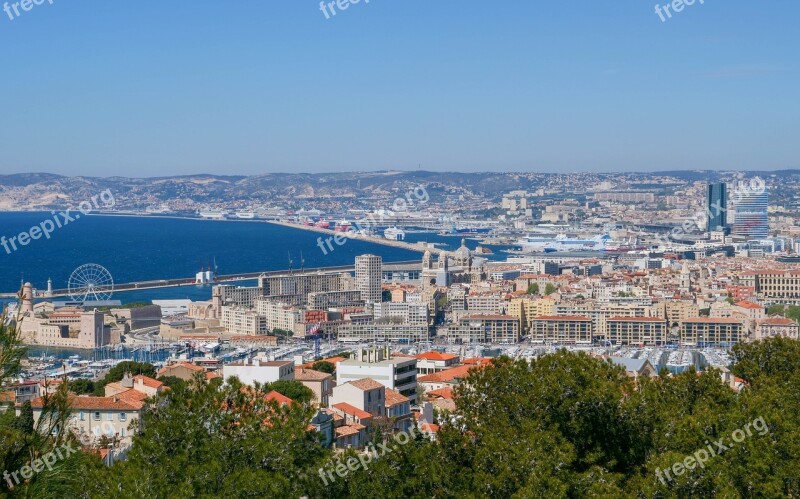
(213, 214)
(394, 234)
(538, 244)
(247, 215)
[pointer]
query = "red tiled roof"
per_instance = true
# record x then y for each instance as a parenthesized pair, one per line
(445, 393)
(114, 403)
(366, 384)
(279, 398)
(393, 398)
(637, 319)
(433, 355)
(561, 318)
(304, 374)
(447, 376)
(352, 410)
(148, 382)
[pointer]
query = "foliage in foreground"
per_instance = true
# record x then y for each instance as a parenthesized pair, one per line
(564, 425)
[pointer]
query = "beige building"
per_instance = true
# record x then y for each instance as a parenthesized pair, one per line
(719, 331)
(71, 328)
(243, 321)
(318, 382)
(777, 326)
(645, 331)
(369, 277)
(485, 329)
(565, 329)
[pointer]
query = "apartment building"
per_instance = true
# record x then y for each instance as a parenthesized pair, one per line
(777, 326)
(243, 321)
(702, 331)
(562, 329)
(398, 373)
(645, 331)
(409, 313)
(279, 315)
(434, 362)
(485, 329)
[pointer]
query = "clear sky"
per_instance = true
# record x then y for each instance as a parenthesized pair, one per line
(145, 88)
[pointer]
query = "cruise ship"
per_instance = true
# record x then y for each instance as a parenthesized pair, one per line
(213, 214)
(246, 215)
(539, 244)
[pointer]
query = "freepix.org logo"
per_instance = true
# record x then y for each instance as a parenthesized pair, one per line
(15, 9)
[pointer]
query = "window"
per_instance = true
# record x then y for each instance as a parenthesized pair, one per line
(123, 416)
(110, 416)
(97, 416)
(83, 416)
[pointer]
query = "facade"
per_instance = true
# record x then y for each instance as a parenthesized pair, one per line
(646, 331)
(371, 331)
(563, 329)
(717, 207)
(777, 326)
(368, 277)
(258, 370)
(399, 373)
(752, 221)
(777, 286)
(279, 315)
(97, 417)
(703, 331)
(243, 321)
(318, 382)
(485, 329)
(409, 313)
(434, 362)
(72, 328)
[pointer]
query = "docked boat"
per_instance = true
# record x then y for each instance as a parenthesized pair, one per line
(343, 226)
(394, 234)
(213, 214)
(246, 215)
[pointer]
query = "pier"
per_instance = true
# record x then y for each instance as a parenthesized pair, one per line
(420, 247)
(223, 279)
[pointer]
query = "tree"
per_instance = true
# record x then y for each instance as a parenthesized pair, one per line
(117, 372)
(172, 381)
(292, 389)
(550, 289)
(24, 422)
(324, 366)
(82, 386)
(533, 289)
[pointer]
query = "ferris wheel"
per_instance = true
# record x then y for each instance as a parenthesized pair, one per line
(90, 282)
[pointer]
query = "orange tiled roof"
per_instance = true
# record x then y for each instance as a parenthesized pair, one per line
(393, 398)
(447, 376)
(366, 384)
(352, 410)
(433, 355)
(114, 403)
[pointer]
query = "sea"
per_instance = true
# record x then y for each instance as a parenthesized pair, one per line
(151, 248)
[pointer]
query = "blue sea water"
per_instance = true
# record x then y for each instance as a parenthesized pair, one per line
(148, 248)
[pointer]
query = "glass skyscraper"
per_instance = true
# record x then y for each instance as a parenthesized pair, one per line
(751, 215)
(717, 213)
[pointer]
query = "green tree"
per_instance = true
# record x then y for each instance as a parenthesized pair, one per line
(533, 289)
(81, 386)
(292, 389)
(324, 366)
(24, 422)
(117, 372)
(550, 289)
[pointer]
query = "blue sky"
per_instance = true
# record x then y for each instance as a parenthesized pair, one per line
(177, 87)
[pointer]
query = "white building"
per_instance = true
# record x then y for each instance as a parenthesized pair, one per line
(409, 313)
(250, 371)
(399, 374)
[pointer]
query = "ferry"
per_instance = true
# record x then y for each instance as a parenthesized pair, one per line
(323, 224)
(246, 215)
(213, 214)
(538, 244)
(343, 226)
(394, 234)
